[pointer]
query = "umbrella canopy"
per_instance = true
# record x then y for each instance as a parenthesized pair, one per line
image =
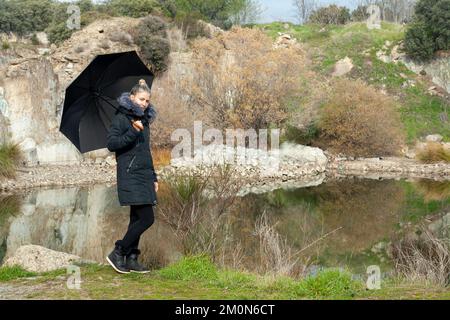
(91, 99)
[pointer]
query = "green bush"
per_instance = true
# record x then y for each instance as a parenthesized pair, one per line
(58, 32)
(191, 268)
(131, 8)
(5, 45)
(34, 39)
(188, 23)
(152, 25)
(328, 284)
(23, 16)
(430, 30)
(360, 14)
(419, 43)
(332, 14)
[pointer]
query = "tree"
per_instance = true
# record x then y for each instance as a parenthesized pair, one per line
(430, 30)
(250, 12)
(24, 16)
(218, 12)
(360, 13)
(392, 10)
(303, 9)
(131, 8)
(330, 15)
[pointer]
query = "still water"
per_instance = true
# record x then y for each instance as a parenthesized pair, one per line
(339, 223)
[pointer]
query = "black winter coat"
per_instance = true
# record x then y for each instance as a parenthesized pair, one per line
(135, 172)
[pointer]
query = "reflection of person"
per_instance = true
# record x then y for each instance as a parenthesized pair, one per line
(137, 183)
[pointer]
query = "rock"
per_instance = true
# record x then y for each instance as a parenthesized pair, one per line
(209, 30)
(408, 83)
(40, 259)
(42, 38)
(342, 67)
(433, 138)
(110, 161)
(57, 152)
(395, 55)
(43, 51)
(284, 40)
(383, 57)
(28, 147)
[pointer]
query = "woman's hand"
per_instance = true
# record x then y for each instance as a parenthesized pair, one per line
(137, 124)
(156, 186)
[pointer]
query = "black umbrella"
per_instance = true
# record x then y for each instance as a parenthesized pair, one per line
(90, 100)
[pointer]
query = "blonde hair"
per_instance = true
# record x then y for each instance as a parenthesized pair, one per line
(140, 86)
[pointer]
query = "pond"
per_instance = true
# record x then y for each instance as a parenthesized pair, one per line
(339, 223)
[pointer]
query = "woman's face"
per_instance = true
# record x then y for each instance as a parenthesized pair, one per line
(141, 98)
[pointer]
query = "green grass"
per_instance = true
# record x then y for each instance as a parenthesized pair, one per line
(15, 272)
(197, 278)
(9, 157)
(5, 45)
(191, 268)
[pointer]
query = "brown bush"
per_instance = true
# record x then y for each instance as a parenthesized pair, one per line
(240, 80)
(433, 152)
(357, 120)
(173, 111)
(425, 259)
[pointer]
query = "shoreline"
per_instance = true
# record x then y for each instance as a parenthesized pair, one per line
(98, 173)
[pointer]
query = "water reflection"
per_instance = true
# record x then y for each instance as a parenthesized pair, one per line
(359, 213)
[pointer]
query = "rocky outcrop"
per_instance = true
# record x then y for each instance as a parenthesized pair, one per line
(40, 259)
(438, 69)
(287, 162)
(33, 83)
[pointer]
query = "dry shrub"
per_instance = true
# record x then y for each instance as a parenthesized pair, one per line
(121, 37)
(433, 152)
(176, 39)
(276, 256)
(433, 190)
(357, 120)
(161, 157)
(425, 259)
(240, 80)
(173, 111)
(194, 206)
(10, 157)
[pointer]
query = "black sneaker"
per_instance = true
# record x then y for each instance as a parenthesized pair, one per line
(117, 260)
(132, 262)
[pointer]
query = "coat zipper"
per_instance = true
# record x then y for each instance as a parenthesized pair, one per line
(129, 166)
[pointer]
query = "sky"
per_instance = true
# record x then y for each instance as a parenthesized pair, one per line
(283, 10)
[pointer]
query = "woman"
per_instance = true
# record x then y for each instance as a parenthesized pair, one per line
(137, 183)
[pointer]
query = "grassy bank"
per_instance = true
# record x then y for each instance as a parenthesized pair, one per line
(420, 111)
(198, 278)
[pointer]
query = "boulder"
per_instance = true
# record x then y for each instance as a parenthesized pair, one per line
(342, 67)
(433, 138)
(40, 259)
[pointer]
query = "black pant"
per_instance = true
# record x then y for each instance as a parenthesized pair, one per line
(141, 218)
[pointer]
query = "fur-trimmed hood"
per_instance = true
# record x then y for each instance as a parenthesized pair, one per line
(132, 108)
